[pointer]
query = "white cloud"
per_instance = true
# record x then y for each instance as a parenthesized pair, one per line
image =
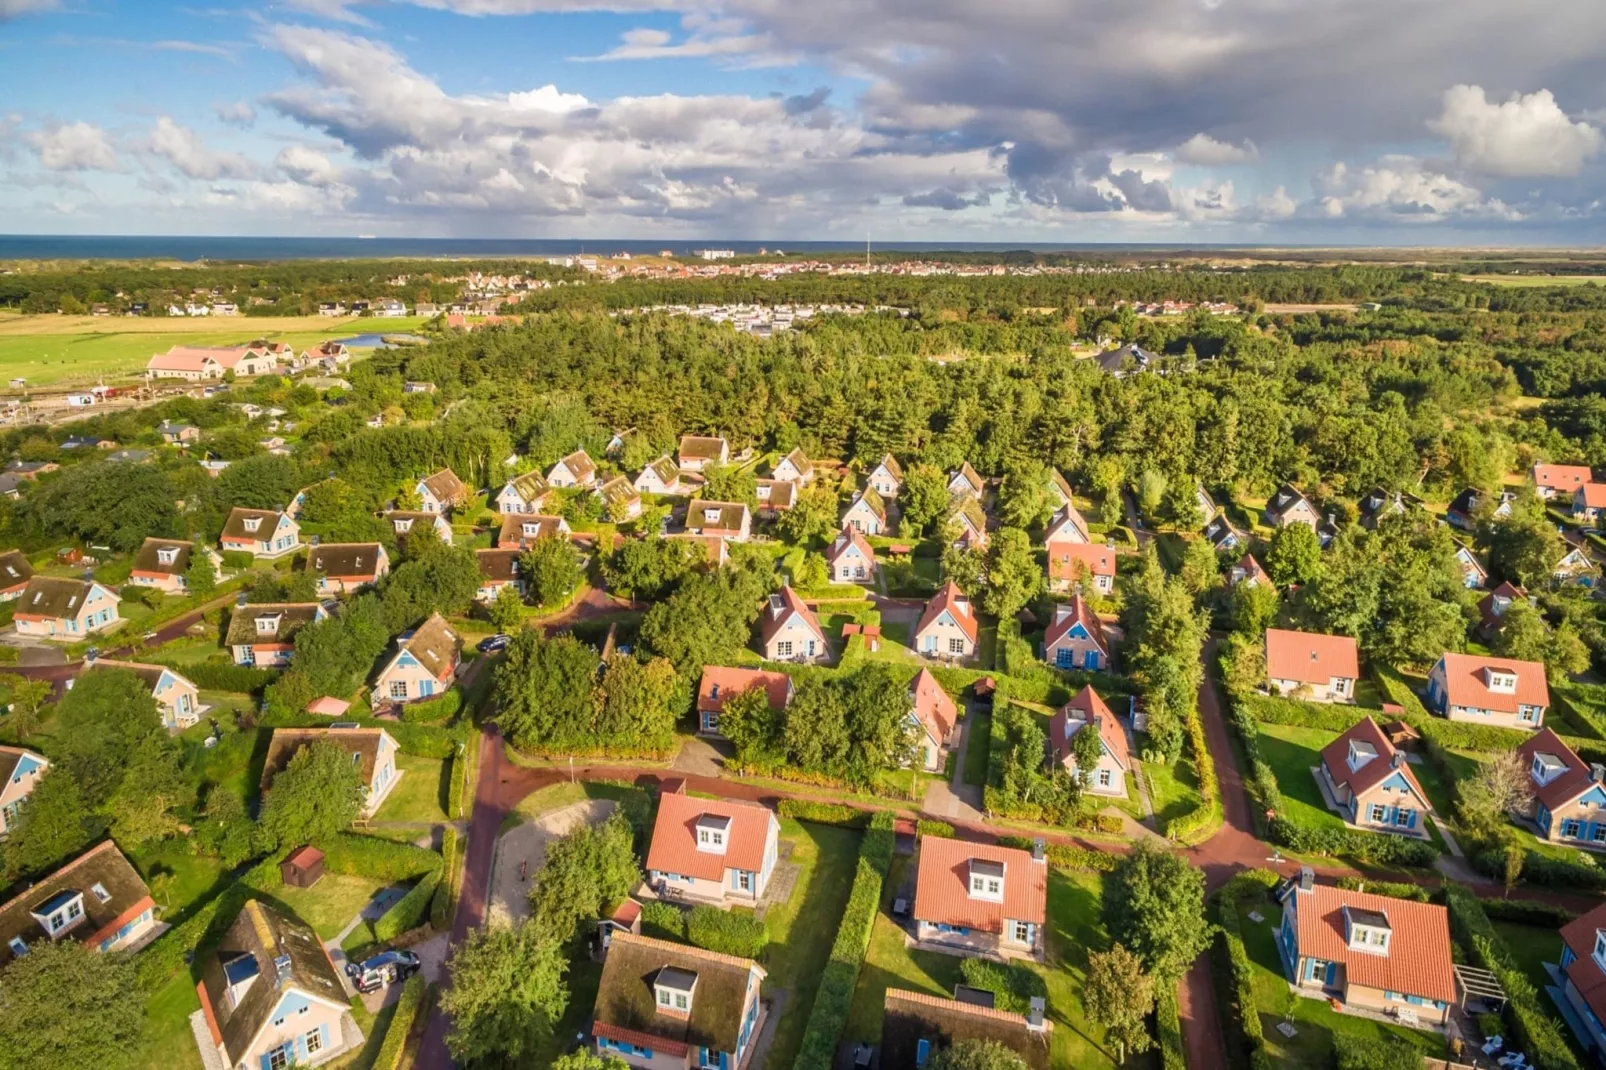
(1523, 137)
(10, 9)
(1276, 205)
(185, 150)
(78, 146)
(307, 166)
(235, 113)
(1205, 151)
(333, 10)
(1400, 189)
(548, 98)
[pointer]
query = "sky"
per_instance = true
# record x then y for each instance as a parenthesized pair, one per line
(1327, 122)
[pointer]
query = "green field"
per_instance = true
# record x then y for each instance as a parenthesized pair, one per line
(48, 350)
(1536, 280)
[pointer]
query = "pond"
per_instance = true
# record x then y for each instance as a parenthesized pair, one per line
(376, 340)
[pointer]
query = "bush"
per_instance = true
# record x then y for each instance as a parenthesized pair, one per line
(1392, 889)
(1542, 869)
(1013, 985)
(457, 795)
(727, 932)
(408, 1005)
(409, 911)
(1205, 819)
(1375, 848)
(440, 908)
(663, 920)
(1235, 974)
(940, 829)
(1355, 1052)
(435, 710)
(1537, 1033)
(237, 560)
(1067, 856)
(368, 856)
(1528, 912)
(221, 676)
(838, 814)
(1168, 1026)
(829, 1016)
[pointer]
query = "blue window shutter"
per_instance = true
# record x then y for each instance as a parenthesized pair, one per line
(323, 1035)
(724, 1061)
(922, 1050)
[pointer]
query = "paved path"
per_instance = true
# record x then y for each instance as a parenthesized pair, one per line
(954, 799)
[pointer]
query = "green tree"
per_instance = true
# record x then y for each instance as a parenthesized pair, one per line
(1120, 997)
(648, 568)
(507, 610)
(1087, 749)
(1254, 609)
(1150, 493)
(1155, 907)
(1294, 556)
(586, 1059)
(707, 620)
(812, 517)
(200, 578)
(551, 569)
(55, 824)
(751, 725)
(316, 796)
(1201, 568)
(923, 499)
(506, 994)
(225, 830)
(145, 805)
(108, 716)
(636, 703)
(1024, 500)
(975, 1054)
(730, 483)
(28, 698)
(1523, 550)
(1014, 577)
(1523, 634)
(60, 1007)
(444, 580)
(542, 689)
(585, 872)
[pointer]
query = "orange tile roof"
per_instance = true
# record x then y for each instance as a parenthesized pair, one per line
(1464, 683)
(1586, 976)
(1251, 569)
(942, 885)
(1574, 779)
(1594, 495)
(1418, 961)
(933, 707)
(1076, 612)
(1565, 477)
(1309, 657)
(1099, 559)
(674, 837)
(953, 601)
(1335, 757)
(663, 1045)
(781, 607)
(720, 682)
(1087, 707)
(849, 538)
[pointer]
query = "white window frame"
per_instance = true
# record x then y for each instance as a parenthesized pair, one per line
(783, 649)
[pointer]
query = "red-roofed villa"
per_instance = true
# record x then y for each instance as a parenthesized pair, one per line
(1320, 668)
(980, 899)
(717, 851)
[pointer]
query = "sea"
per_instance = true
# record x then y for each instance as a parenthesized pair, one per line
(200, 249)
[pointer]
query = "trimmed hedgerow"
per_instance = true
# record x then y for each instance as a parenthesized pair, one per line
(409, 911)
(663, 920)
(1200, 823)
(728, 932)
(829, 1016)
(1235, 974)
(1391, 889)
(822, 813)
(940, 829)
(1538, 1033)
(1541, 869)
(1012, 984)
(218, 676)
(434, 710)
(1528, 912)
(401, 1024)
(1067, 856)
(370, 856)
(1168, 1027)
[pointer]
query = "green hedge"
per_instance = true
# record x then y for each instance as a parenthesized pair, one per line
(1542, 869)
(663, 920)
(1354, 1052)
(940, 829)
(217, 676)
(1168, 1024)
(1528, 912)
(1201, 823)
(1067, 856)
(435, 710)
(1391, 889)
(457, 792)
(1012, 984)
(401, 1024)
(1537, 1032)
(352, 855)
(410, 911)
(829, 1016)
(440, 908)
(727, 932)
(1235, 973)
(821, 813)
(235, 560)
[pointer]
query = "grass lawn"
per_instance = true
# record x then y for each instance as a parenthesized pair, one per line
(557, 796)
(1367, 694)
(1173, 789)
(977, 741)
(1441, 792)
(987, 647)
(802, 928)
(190, 879)
(1314, 1021)
(54, 349)
(166, 1042)
(422, 793)
(1532, 947)
(1531, 281)
(331, 903)
(1075, 915)
(1292, 752)
(235, 762)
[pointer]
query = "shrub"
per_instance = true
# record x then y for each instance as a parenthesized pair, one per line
(409, 911)
(1537, 1032)
(1168, 1025)
(1392, 889)
(1543, 869)
(1067, 856)
(368, 856)
(727, 932)
(408, 1005)
(940, 829)
(664, 920)
(435, 710)
(1013, 985)
(1235, 975)
(440, 908)
(1370, 847)
(222, 676)
(829, 1016)
(1205, 819)
(236, 560)
(838, 814)
(1528, 912)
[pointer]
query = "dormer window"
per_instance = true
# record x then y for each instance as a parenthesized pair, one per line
(710, 516)
(1600, 948)
(674, 989)
(713, 833)
(532, 529)
(1545, 768)
(987, 880)
(1369, 930)
(403, 525)
(60, 912)
(268, 624)
(100, 892)
(167, 555)
(1500, 680)
(18, 948)
(252, 523)
(1360, 753)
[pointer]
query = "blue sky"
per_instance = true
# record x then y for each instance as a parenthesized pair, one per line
(1311, 121)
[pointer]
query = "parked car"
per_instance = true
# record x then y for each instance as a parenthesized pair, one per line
(491, 644)
(385, 968)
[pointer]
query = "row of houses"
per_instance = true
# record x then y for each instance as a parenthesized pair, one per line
(261, 357)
